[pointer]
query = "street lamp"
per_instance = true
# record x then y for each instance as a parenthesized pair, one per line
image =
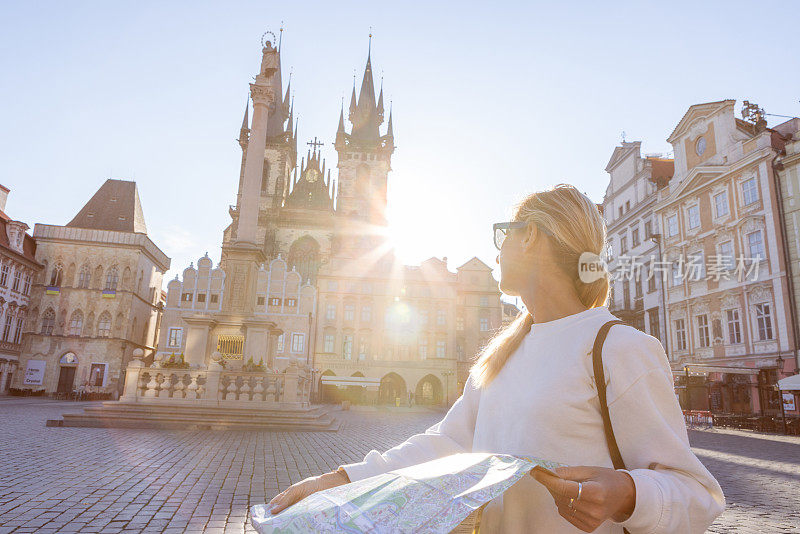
(446, 374)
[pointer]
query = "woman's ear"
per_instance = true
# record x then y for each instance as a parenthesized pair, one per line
(529, 235)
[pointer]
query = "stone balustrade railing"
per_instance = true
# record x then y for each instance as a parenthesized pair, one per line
(216, 386)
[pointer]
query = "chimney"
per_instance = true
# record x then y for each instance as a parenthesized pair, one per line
(3, 197)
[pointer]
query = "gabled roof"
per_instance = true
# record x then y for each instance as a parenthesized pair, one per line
(621, 152)
(695, 111)
(28, 243)
(115, 207)
(474, 262)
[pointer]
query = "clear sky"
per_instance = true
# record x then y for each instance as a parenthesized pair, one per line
(491, 100)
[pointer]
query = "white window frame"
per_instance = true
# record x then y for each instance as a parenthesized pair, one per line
(672, 225)
(298, 342)
(329, 342)
(734, 325)
(724, 203)
(178, 335)
(749, 188)
(703, 334)
(693, 217)
(764, 321)
(680, 334)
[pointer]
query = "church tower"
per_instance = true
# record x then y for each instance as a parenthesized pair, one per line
(364, 155)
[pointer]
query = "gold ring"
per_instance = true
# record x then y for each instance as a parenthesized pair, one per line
(572, 503)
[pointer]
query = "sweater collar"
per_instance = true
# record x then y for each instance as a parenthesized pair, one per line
(568, 320)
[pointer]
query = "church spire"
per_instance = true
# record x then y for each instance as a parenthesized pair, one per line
(245, 129)
(365, 115)
(389, 131)
(380, 104)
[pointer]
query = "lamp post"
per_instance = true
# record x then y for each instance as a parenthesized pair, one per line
(779, 362)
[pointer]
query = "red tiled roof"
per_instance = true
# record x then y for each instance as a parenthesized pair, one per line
(28, 244)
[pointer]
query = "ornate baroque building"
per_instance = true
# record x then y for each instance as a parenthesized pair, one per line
(18, 269)
(97, 298)
(308, 277)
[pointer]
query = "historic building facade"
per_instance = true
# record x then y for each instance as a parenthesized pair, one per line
(18, 269)
(308, 277)
(727, 294)
(97, 298)
(633, 236)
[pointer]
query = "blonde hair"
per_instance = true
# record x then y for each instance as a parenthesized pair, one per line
(575, 226)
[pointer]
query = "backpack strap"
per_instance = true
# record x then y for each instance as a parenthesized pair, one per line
(600, 383)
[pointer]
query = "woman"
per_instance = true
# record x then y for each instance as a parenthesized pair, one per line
(531, 393)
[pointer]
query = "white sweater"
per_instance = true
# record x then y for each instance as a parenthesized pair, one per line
(543, 403)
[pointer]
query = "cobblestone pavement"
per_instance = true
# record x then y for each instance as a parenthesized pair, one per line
(120, 480)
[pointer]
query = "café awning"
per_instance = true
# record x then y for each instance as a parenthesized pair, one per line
(700, 369)
(790, 383)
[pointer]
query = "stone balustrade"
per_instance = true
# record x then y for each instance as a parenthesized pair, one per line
(216, 386)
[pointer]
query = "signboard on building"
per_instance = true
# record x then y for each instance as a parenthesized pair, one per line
(34, 373)
(788, 402)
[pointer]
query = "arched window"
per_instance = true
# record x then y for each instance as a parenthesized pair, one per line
(76, 323)
(104, 325)
(20, 326)
(112, 278)
(48, 322)
(56, 274)
(84, 277)
(304, 257)
(9, 317)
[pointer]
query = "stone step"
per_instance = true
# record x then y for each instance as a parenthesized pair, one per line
(170, 417)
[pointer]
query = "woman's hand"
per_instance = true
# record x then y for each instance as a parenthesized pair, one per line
(304, 488)
(605, 494)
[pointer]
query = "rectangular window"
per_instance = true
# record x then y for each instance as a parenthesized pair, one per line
(623, 245)
(17, 280)
(175, 338)
(201, 297)
(26, 287)
(4, 275)
(651, 279)
(725, 256)
(186, 297)
(755, 243)
(702, 330)
(274, 301)
(441, 317)
(298, 342)
(349, 312)
(329, 342)
(764, 321)
(423, 349)
(484, 300)
(696, 266)
(441, 348)
(97, 375)
(721, 204)
(672, 225)
(635, 237)
(280, 345)
(347, 347)
(260, 301)
(654, 323)
(363, 349)
(648, 229)
(734, 326)
(366, 314)
(484, 324)
(291, 303)
(330, 312)
(7, 325)
(680, 334)
(677, 275)
(214, 298)
(693, 216)
(749, 191)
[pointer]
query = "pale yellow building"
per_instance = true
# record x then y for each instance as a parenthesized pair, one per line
(97, 299)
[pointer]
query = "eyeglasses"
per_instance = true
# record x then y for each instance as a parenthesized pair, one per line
(501, 231)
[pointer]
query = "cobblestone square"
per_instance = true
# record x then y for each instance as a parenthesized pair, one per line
(120, 480)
